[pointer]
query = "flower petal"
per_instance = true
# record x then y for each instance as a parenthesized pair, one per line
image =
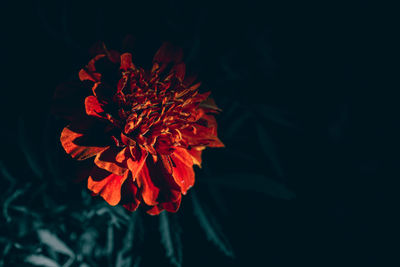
(89, 73)
(168, 53)
(148, 189)
(107, 160)
(108, 185)
(135, 164)
(68, 141)
(93, 107)
(168, 206)
(179, 70)
(129, 192)
(195, 152)
(183, 172)
(126, 61)
(201, 136)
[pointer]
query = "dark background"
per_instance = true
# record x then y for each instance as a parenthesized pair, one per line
(329, 67)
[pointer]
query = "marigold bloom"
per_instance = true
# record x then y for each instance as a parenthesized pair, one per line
(145, 129)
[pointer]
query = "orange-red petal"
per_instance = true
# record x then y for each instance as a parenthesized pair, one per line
(108, 185)
(168, 53)
(135, 164)
(129, 193)
(68, 141)
(172, 206)
(107, 160)
(93, 107)
(182, 169)
(148, 189)
(195, 152)
(126, 61)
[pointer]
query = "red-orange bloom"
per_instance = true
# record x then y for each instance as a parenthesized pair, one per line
(145, 129)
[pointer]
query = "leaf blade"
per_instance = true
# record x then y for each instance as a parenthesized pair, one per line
(211, 228)
(171, 238)
(54, 242)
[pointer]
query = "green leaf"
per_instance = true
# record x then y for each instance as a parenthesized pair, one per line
(125, 255)
(41, 260)
(211, 227)
(252, 182)
(171, 238)
(235, 125)
(53, 242)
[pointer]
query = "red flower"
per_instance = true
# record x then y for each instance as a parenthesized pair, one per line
(145, 129)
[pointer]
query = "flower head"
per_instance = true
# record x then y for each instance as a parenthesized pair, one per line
(145, 128)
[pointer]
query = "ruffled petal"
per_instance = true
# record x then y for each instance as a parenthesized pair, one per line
(93, 107)
(69, 142)
(126, 62)
(183, 172)
(168, 206)
(89, 73)
(196, 152)
(129, 191)
(201, 136)
(136, 162)
(108, 185)
(148, 189)
(107, 160)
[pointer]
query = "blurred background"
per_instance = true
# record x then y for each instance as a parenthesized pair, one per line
(310, 123)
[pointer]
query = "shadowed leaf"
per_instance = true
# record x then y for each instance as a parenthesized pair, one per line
(6, 174)
(171, 238)
(211, 227)
(10, 199)
(237, 123)
(274, 115)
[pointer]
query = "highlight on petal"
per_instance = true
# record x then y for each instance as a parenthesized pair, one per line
(107, 185)
(68, 141)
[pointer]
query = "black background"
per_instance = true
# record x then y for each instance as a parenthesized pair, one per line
(329, 66)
